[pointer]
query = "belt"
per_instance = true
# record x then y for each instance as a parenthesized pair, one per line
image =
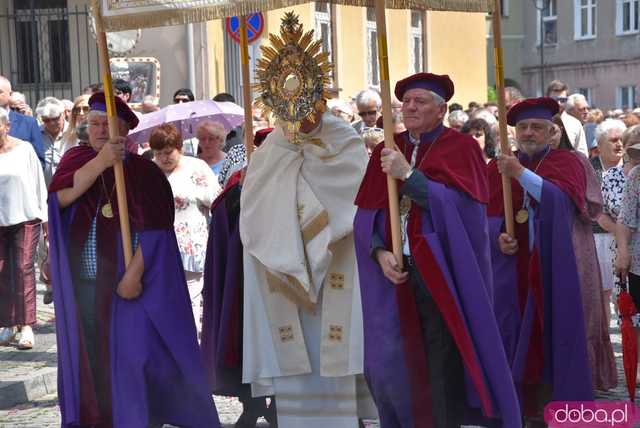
(408, 260)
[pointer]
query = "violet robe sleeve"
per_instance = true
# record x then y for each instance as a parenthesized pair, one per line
(455, 228)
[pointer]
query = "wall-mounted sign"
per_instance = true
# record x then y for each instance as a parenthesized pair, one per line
(143, 74)
(255, 26)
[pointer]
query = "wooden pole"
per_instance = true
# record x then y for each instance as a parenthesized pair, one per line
(385, 89)
(502, 114)
(246, 88)
(118, 171)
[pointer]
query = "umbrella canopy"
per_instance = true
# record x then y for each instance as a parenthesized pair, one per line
(119, 15)
(187, 116)
(627, 308)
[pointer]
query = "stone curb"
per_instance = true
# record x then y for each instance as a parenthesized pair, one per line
(40, 383)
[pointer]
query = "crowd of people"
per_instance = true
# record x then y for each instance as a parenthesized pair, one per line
(482, 330)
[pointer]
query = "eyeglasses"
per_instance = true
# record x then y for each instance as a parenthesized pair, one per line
(83, 109)
(560, 99)
(181, 100)
(50, 119)
(367, 113)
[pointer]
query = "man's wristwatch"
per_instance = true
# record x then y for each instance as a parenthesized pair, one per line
(408, 174)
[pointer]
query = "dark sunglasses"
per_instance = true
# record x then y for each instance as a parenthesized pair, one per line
(83, 109)
(560, 99)
(368, 113)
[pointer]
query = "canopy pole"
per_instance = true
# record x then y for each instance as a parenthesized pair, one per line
(385, 91)
(118, 171)
(246, 88)
(502, 114)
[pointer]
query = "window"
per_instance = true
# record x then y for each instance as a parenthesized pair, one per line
(42, 42)
(373, 72)
(585, 19)
(323, 27)
(417, 49)
(626, 17)
(587, 94)
(626, 97)
(549, 22)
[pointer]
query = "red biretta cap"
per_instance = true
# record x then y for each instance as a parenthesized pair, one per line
(533, 108)
(97, 103)
(439, 84)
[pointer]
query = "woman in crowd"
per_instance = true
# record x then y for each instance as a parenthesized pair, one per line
(608, 137)
(627, 184)
(594, 303)
(78, 114)
(481, 131)
(237, 158)
(211, 140)
(194, 188)
(23, 207)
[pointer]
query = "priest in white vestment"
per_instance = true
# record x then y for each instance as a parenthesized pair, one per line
(303, 334)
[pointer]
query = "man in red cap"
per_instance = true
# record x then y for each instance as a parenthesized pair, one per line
(537, 288)
(433, 351)
(125, 335)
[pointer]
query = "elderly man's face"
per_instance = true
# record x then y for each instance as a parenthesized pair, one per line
(420, 111)
(533, 135)
(53, 125)
(5, 93)
(369, 113)
(580, 110)
(98, 130)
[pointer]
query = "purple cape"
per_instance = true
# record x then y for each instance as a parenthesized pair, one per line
(222, 295)
(156, 371)
(455, 228)
(565, 365)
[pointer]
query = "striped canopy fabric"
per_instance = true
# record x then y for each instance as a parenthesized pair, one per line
(119, 15)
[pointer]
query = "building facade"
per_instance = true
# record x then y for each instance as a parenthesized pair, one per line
(512, 43)
(591, 45)
(48, 48)
(439, 42)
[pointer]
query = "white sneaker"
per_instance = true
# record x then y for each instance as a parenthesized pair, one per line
(27, 340)
(7, 335)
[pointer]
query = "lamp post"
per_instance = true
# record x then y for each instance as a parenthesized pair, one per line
(541, 5)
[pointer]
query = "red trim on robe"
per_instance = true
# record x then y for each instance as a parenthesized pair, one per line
(456, 160)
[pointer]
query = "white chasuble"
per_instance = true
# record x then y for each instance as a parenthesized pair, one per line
(303, 336)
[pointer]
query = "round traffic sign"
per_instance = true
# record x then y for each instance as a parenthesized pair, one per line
(255, 26)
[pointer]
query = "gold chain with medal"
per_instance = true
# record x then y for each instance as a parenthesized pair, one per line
(107, 209)
(522, 216)
(405, 201)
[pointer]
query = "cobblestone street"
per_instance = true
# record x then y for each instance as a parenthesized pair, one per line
(28, 378)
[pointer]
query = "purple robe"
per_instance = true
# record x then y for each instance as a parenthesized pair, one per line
(455, 229)
(156, 371)
(222, 295)
(565, 365)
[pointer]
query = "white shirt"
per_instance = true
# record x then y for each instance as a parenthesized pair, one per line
(23, 193)
(53, 151)
(575, 132)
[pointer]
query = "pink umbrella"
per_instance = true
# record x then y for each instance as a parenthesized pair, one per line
(187, 116)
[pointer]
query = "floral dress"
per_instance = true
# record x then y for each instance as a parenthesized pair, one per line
(613, 183)
(194, 189)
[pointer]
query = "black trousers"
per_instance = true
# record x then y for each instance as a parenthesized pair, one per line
(446, 371)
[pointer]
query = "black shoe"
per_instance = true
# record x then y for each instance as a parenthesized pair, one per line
(270, 414)
(48, 297)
